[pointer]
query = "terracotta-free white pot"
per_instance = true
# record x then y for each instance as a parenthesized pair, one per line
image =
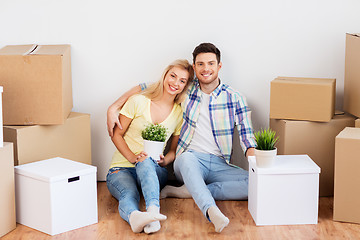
(154, 149)
(265, 158)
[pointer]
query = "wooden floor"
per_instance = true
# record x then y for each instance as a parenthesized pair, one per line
(185, 221)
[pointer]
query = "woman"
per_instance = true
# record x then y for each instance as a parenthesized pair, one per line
(130, 166)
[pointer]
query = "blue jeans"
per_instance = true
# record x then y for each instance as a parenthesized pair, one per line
(209, 178)
(123, 184)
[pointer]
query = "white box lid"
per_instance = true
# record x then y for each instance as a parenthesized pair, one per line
(287, 164)
(1, 89)
(54, 169)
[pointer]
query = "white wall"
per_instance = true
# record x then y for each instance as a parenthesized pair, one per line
(117, 44)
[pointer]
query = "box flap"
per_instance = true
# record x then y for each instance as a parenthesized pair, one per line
(50, 50)
(17, 49)
(350, 133)
(1, 89)
(54, 169)
(34, 49)
(354, 34)
(299, 80)
(286, 164)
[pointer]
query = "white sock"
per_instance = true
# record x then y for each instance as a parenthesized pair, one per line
(153, 226)
(219, 220)
(138, 220)
(178, 192)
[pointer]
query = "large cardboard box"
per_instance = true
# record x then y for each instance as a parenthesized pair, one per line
(7, 190)
(1, 120)
(37, 84)
(347, 177)
(352, 75)
(286, 193)
(357, 123)
(65, 198)
(316, 139)
(311, 99)
(72, 140)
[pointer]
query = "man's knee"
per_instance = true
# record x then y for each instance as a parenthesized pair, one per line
(185, 160)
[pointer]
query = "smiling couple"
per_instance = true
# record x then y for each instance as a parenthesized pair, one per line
(200, 115)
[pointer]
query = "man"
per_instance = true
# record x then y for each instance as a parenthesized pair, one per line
(211, 111)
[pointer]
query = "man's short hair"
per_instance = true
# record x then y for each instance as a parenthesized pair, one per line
(206, 48)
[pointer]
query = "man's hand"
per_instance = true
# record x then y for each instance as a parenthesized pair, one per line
(112, 112)
(162, 161)
(112, 121)
(250, 152)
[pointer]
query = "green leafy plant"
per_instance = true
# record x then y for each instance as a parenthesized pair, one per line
(154, 132)
(265, 139)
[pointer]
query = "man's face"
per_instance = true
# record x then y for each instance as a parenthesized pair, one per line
(206, 67)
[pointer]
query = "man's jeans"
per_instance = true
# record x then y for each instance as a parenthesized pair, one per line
(209, 178)
(123, 185)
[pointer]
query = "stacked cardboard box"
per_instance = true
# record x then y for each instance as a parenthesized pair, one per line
(347, 178)
(316, 139)
(7, 190)
(302, 113)
(1, 121)
(347, 164)
(37, 117)
(70, 140)
(311, 99)
(7, 185)
(352, 75)
(37, 103)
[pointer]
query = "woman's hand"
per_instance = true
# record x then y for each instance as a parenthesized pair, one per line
(141, 157)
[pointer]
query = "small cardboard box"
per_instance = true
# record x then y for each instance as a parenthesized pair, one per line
(357, 123)
(37, 84)
(347, 177)
(311, 99)
(7, 190)
(71, 140)
(65, 199)
(286, 193)
(352, 75)
(1, 120)
(316, 139)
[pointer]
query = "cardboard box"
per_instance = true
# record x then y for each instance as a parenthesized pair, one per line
(286, 193)
(1, 120)
(347, 178)
(316, 139)
(71, 140)
(352, 75)
(65, 199)
(311, 99)
(7, 190)
(37, 84)
(357, 123)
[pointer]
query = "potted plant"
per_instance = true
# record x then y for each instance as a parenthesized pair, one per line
(154, 136)
(265, 151)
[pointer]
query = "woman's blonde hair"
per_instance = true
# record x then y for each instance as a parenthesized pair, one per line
(155, 90)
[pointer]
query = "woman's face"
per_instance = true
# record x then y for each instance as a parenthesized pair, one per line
(175, 80)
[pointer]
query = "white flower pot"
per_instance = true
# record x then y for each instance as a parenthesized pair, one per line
(265, 158)
(154, 149)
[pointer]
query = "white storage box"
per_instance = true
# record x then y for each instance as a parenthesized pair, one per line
(56, 195)
(1, 119)
(286, 193)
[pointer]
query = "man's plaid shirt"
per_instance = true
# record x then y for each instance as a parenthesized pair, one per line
(228, 108)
